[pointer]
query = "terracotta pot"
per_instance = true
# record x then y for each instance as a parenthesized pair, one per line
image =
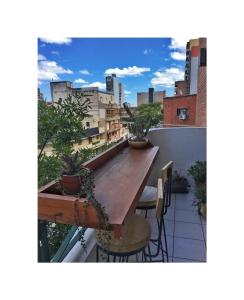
(138, 144)
(70, 184)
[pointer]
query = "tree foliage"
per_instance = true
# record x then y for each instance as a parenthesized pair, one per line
(152, 112)
(61, 124)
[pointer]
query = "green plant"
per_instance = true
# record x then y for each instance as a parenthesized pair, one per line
(71, 164)
(179, 178)
(61, 123)
(138, 126)
(198, 171)
(200, 193)
(151, 111)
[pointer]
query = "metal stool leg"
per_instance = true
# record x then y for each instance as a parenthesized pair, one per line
(144, 254)
(149, 252)
(97, 254)
(165, 240)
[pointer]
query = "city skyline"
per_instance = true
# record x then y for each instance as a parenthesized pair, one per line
(139, 63)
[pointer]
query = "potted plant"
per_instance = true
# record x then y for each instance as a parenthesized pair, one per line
(179, 183)
(74, 177)
(198, 172)
(201, 196)
(78, 180)
(138, 127)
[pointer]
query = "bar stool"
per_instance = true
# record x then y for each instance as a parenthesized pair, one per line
(148, 198)
(135, 236)
(161, 210)
(136, 233)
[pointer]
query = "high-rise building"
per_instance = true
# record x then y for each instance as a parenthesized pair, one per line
(150, 97)
(188, 106)
(121, 95)
(115, 87)
(195, 59)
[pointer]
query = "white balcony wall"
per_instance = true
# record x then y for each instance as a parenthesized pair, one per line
(182, 145)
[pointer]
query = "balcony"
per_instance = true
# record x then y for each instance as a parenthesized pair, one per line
(114, 128)
(185, 229)
(111, 117)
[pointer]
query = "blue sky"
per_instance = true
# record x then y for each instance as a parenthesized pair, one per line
(139, 63)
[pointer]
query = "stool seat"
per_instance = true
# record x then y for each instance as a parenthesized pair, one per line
(135, 235)
(148, 198)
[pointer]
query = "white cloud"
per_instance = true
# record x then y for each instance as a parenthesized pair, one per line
(179, 47)
(80, 80)
(130, 71)
(55, 52)
(167, 77)
(41, 57)
(127, 92)
(98, 84)
(179, 43)
(178, 55)
(49, 70)
(85, 72)
(147, 51)
(59, 41)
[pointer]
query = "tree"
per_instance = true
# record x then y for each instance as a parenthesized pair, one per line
(61, 124)
(151, 111)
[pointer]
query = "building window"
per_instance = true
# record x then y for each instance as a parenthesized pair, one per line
(88, 124)
(182, 113)
(203, 57)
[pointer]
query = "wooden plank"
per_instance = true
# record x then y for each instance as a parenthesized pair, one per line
(120, 182)
(102, 158)
(68, 210)
(120, 178)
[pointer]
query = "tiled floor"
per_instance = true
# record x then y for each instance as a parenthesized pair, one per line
(185, 229)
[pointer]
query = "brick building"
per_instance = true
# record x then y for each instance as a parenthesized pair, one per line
(180, 111)
(188, 106)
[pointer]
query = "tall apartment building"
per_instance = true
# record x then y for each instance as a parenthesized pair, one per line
(150, 97)
(115, 87)
(121, 95)
(103, 124)
(188, 106)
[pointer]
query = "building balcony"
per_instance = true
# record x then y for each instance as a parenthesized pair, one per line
(185, 229)
(113, 128)
(112, 117)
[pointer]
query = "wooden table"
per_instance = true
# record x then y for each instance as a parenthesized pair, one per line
(120, 173)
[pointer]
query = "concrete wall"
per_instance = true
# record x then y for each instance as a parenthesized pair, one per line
(60, 90)
(182, 145)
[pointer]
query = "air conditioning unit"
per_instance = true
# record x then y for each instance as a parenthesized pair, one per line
(182, 116)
